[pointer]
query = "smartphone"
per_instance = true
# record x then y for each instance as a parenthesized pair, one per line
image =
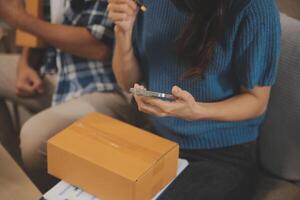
(147, 93)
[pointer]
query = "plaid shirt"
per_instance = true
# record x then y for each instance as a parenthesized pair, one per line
(78, 76)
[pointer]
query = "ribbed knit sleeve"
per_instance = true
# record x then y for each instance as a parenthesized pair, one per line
(257, 45)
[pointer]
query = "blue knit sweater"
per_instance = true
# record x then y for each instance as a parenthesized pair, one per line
(246, 56)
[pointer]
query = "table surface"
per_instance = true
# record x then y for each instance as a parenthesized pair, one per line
(15, 185)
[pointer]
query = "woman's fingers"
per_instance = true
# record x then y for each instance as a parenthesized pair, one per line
(117, 16)
(127, 8)
(122, 13)
(143, 106)
(137, 86)
(147, 108)
(121, 8)
(130, 3)
(181, 94)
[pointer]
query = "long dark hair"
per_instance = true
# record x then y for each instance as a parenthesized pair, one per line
(197, 41)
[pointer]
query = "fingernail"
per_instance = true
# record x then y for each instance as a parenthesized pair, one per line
(175, 89)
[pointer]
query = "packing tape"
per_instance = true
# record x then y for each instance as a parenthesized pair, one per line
(115, 142)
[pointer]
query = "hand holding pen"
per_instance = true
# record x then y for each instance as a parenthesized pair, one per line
(123, 13)
(141, 6)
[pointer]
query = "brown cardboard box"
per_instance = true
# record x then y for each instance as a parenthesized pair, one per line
(35, 8)
(111, 159)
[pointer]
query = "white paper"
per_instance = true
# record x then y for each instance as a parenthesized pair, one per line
(64, 190)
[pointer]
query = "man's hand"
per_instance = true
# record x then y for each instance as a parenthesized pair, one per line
(28, 81)
(12, 11)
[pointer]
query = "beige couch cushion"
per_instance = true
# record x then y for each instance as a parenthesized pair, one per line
(279, 143)
(14, 184)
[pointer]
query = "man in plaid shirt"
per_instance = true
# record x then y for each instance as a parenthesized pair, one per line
(77, 75)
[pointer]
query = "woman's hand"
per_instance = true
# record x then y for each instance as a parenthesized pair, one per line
(123, 14)
(184, 107)
(125, 65)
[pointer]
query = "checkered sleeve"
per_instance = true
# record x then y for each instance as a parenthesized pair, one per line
(98, 23)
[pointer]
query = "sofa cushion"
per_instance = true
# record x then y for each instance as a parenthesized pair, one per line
(272, 188)
(14, 182)
(279, 143)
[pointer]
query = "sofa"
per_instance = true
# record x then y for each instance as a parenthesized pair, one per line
(279, 141)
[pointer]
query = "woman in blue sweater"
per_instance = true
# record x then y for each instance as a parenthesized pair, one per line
(219, 59)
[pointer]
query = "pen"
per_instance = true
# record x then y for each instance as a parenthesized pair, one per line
(141, 6)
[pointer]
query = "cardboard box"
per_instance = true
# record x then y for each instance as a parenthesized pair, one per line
(111, 159)
(35, 8)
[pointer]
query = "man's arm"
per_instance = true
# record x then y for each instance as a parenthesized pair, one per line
(75, 40)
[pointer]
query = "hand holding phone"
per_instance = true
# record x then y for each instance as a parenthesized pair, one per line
(147, 93)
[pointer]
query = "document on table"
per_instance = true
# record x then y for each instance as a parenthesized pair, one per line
(65, 191)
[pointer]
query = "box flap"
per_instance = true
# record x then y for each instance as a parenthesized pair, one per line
(120, 148)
